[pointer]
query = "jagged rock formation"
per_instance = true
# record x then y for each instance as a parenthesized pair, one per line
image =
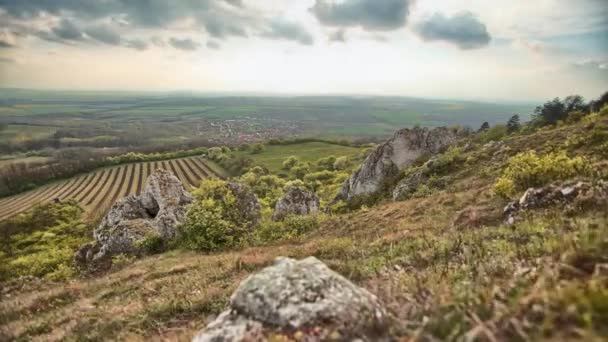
(292, 298)
(396, 154)
(247, 204)
(409, 184)
(296, 201)
(573, 195)
(155, 213)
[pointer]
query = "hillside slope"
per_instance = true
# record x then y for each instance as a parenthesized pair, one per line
(444, 262)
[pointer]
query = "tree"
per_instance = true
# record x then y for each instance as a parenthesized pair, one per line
(574, 103)
(596, 105)
(549, 113)
(484, 127)
(290, 162)
(513, 125)
(257, 148)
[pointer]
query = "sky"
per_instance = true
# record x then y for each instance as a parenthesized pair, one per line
(511, 50)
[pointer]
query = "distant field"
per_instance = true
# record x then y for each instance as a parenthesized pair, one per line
(274, 155)
(98, 190)
(25, 132)
(165, 115)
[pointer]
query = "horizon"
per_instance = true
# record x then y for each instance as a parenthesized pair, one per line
(455, 50)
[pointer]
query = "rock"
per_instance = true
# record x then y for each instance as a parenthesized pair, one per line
(155, 213)
(396, 154)
(476, 216)
(573, 195)
(247, 203)
(296, 201)
(295, 297)
(409, 184)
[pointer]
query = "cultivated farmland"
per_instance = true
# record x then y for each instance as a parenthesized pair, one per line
(98, 190)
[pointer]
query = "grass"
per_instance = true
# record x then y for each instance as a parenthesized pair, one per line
(542, 279)
(274, 155)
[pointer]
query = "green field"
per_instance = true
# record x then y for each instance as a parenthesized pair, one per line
(25, 132)
(274, 155)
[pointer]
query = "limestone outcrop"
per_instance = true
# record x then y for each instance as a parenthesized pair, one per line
(155, 213)
(299, 298)
(296, 201)
(396, 154)
(571, 195)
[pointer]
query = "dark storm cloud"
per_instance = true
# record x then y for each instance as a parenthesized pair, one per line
(220, 19)
(66, 30)
(463, 29)
(372, 15)
(104, 34)
(186, 44)
(281, 29)
(5, 44)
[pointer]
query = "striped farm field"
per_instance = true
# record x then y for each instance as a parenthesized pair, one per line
(98, 190)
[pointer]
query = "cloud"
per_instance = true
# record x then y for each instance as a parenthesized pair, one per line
(185, 44)
(371, 15)
(7, 60)
(463, 29)
(338, 36)
(236, 3)
(213, 45)
(282, 29)
(7, 39)
(137, 44)
(66, 30)
(104, 34)
(219, 28)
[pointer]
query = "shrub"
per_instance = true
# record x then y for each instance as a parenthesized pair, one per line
(213, 221)
(527, 169)
(494, 134)
(326, 163)
(300, 170)
(42, 241)
(152, 244)
(291, 227)
(341, 163)
(290, 162)
(257, 148)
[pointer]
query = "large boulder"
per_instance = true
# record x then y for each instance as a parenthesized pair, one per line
(296, 201)
(155, 213)
(396, 154)
(571, 195)
(299, 298)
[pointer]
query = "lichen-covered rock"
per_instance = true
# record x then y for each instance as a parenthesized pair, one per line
(296, 201)
(294, 297)
(247, 203)
(394, 155)
(409, 184)
(572, 195)
(155, 213)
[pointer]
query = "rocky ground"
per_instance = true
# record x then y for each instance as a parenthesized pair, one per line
(447, 264)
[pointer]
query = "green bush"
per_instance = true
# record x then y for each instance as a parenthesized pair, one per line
(257, 148)
(42, 241)
(291, 227)
(494, 134)
(213, 221)
(290, 162)
(527, 169)
(152, 244)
